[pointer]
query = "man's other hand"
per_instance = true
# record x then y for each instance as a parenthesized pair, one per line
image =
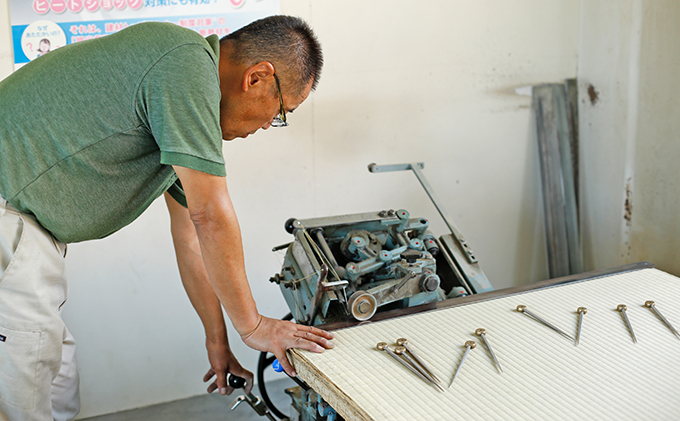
(223, 362)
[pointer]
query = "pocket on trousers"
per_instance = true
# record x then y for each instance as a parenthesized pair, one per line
(11, 234)
(19, 353)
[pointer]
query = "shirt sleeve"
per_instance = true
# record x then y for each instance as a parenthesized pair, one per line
(179, 101)
(177, 192)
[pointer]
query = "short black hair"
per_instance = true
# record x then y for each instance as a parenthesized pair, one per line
(285, 41)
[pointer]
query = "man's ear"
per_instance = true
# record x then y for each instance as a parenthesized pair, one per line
(258, 75)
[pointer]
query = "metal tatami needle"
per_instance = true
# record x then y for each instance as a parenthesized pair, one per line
(523, 309)
(581, 311)
(404, 342)
(468, 346)
(652, 306)
(401, 351)
(382, 346)
(622, 309)
(482, 333)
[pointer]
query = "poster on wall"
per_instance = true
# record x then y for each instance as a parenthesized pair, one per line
(40, 26)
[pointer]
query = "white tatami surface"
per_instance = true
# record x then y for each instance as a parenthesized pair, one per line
(545, 375)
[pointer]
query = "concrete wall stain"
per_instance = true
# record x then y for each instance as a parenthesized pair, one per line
(628, 205)
(593, 94)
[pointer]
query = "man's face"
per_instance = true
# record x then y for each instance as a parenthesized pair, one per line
(256, 108)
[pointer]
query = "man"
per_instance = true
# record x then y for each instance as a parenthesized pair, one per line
(90, 135)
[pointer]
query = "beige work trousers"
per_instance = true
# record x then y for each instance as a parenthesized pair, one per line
(38, 372)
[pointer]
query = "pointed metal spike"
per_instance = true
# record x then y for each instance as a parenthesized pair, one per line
(581, 311)
(404, 342)
(382, 346)
(652, 306)
(482, 333)
(523, 309)
(401, 351)
(468, 346)
(622, 309)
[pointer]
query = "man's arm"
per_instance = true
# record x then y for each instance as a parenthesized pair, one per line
(219, 236)
(203, 298)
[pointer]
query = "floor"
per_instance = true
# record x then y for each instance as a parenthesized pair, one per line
(208, 407)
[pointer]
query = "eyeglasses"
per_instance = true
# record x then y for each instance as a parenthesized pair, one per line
(279, 120)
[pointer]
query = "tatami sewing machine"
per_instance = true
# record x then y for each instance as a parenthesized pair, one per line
(345, 268)
(351, 266)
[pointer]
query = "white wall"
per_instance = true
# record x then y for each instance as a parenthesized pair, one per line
(403, 82)
(6, 54)
(630, 135)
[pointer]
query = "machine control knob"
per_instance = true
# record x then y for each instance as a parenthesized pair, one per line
(277, 278)
(290, 225)
(430, 283)
(236, 382)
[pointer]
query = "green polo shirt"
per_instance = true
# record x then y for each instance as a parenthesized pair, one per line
(89, 131)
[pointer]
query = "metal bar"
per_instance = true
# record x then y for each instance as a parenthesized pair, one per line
(569, 186)
(416, 168)
(456, 233)
(451, 261)
(318, 293)
(548, 131)
(324, 247)
(571, 86)
(393, 167)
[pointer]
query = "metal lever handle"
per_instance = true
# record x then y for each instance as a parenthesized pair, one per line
(255, 402)
(417, 170)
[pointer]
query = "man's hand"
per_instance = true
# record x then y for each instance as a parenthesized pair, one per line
(277, 336)
(223, 277)
(223, 362)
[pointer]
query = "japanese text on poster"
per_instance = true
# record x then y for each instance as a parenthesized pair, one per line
(40, 26)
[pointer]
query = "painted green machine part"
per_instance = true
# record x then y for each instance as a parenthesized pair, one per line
(351, 266)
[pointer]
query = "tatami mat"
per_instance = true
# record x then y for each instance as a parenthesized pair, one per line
(545, 375)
